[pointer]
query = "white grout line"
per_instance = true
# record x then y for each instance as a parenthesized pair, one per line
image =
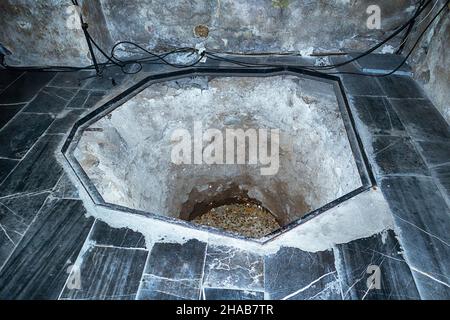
(20, 76)
(202, 292)
(143, 270)
(25, 232)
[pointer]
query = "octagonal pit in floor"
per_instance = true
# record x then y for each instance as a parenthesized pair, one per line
(137, 155)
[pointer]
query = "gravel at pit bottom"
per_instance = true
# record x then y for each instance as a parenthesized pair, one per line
(247, 219)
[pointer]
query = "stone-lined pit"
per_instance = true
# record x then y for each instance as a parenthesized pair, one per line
(127, 153)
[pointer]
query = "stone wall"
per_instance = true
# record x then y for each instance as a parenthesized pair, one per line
(37, 32)
(252, 25)
(431, 64)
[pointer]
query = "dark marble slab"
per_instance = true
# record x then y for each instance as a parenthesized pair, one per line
(377, 115)
(155, 295)
(430, 288)
(11, 232)
(8, 112)
(25, 207)
(442, 175)
(65, 121)
(19, 135)
(158, 288)
(103, 234)
(38, 171)
(355, 84)
(65, 189)
(357, 261)
(434, 153)
(107, 274)
(7, 77)
(230, 294)
(16, 215)
(38, 267)
(72, 79)
(421, 215)
(232, 268)
(401, 87)
(295, 274)
(50, 100)
(396, 156)
(325, 288)
(382, 63)
(174, 269)
(361, 86)
(422, 119)
(86, 99)
(177, 261)
(6, 166)
(347, 67)
(25, 87)
(111, 77)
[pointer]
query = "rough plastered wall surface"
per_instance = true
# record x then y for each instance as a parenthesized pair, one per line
(432, 64)
(253, 25)
(37, 33)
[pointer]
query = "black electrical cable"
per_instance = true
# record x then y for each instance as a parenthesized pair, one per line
(444, 7)
(161, 58)
(156, 56)
(352, 73)
(328, 67)
(374, 48)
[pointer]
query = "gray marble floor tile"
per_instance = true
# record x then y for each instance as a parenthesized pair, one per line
(421, 215)
(112, 77)
(376, 115)
(6, 166)
(25, 87)
(71, 79)
(232, 268)
(7, 112)
(38, 171)
(50, 100)
(65, 121)
(85, 99)
(177, 261)
(422, 119)
(65, 189)
(373, 269)
(106, 273)
(396, 156)
(231, 294)
(19, 135)
(103, 234)
(401, 87)
(16, 215)
(7, 77)
(361, 86)
(159, 288)
(174, 269)
(295, 274)
(442, 175)
(382, 63)
(434, 153)
(38, 267)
